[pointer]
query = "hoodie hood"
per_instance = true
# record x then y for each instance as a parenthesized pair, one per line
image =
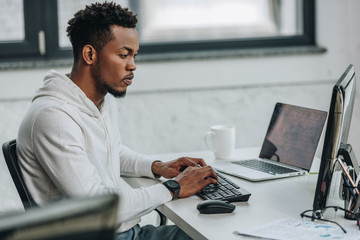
(57, 85)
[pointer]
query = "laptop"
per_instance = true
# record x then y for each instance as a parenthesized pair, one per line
(288, 149)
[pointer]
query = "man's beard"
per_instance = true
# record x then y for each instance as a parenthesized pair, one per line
(114, 92)
(102, 86)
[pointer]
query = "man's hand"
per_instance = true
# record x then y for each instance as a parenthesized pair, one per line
(193, 179)
(173, 168)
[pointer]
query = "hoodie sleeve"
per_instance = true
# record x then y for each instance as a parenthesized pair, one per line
(134, 164)
(58, 142)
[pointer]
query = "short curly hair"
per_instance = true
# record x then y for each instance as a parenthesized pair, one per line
(92, 25)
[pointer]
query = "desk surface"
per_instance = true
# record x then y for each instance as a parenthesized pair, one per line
(269, 201)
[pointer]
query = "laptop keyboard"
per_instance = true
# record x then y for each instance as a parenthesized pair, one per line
(225, 190)
(264, 166)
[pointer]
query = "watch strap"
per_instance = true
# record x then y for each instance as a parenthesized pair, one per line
(173, 187)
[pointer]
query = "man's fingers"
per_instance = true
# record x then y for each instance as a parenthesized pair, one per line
(194, 162)
(189, 162)
(210, 180)
(193, 179)
(210, 173)
(213, 175)
(199, 161)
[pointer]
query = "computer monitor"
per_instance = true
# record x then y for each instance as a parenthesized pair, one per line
(336, 135)
(90, 218)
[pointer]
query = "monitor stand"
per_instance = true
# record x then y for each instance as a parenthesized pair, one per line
(349, 158)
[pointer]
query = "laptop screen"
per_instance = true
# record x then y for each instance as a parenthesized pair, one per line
(293, 135)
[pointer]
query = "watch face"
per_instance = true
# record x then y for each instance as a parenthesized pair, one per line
(173, 184)
(174, 187)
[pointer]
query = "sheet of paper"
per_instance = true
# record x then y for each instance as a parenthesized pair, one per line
(293, 229)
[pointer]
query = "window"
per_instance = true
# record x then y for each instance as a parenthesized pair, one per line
(20, 28)
(66, 10)
(12, 20)
(188, 20)
(37, 28)
(186, 25)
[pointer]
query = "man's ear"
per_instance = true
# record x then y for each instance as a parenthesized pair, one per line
(89, 54)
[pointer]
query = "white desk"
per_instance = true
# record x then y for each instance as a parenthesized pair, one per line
(269, 200)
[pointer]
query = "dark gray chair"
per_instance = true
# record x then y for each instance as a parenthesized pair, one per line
(9, 150)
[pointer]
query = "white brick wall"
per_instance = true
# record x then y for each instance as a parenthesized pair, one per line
(177, 121)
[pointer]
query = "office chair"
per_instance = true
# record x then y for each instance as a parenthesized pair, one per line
(9, 150)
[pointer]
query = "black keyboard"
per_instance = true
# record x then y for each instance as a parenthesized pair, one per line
(225, 190)
(264, 166)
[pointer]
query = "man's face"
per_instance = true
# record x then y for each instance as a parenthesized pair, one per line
(113, 71)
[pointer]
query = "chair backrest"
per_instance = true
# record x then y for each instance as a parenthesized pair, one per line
(9, 150)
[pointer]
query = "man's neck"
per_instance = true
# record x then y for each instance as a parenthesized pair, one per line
(86, 83)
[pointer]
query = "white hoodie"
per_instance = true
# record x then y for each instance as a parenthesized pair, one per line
(68, 147)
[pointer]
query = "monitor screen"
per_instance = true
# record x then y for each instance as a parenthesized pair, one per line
(87, 218)
(337, 131)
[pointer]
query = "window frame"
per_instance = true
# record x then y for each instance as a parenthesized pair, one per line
(43, 15)
(30, 45)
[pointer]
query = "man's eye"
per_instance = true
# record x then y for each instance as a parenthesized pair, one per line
(123, 56)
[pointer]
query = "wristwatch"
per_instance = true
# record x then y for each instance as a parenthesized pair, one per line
(173, 186)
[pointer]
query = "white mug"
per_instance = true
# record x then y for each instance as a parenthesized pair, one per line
(221, 140)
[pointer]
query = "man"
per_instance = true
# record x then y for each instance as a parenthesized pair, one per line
(69, 143)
